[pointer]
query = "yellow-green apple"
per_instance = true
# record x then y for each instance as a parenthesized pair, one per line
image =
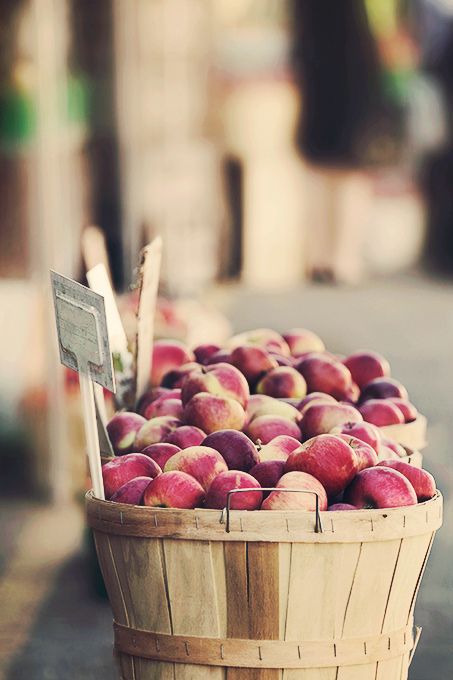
(318, 397)
(320, 418)
(408, 409)
(265, 428)
(164, 407)
(274, 407)
(253, 361)
(341, 506)
(366, 365)
(120, 470)
(278, 448)
(268, 473)
(175, 378)
(222, 380)
(235, 447)
(382, 388)
(381, 412)
(422, 481)
(122, 429)
(132, 491)
(217, 495)
(328, 458)
(161, 452)
(154, 431)
(366, 455)
(174, 489)
(263, 337)
(301, 341)
(204, 352)
(365, 431)
(202, 462)
(211, 413)
(167, 355)
(289, 500)
(324, 374)
(380, 487)
(185, 436)
(282, 382)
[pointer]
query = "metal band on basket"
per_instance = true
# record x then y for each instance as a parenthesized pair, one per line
(238, 653)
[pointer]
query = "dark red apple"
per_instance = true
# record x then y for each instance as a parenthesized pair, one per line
(381, 412)
(324, 374)
(132, 491)
(236, 448)
(366, 365)
(185, 436)
(382, 388)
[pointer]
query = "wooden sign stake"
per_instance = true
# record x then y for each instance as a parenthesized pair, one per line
(84, 347)
(148, 283)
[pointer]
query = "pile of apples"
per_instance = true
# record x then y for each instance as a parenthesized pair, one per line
(267, 410)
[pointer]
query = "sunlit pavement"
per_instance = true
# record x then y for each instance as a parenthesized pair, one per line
(54, 625)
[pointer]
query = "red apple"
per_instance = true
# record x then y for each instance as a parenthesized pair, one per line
(352, 394)
(366, 365)
(253, 361)
(175, 378)
(382, 388)
(122, 430)
(262, 405)
(222, 380)
(283, 360)
(282, 382)
(161, 452)
(202, 462)
(265, 428)
(154, 431)
(408, 409)
(211, 413)
(120, 470)
(263, 337)
(381, 412)
(324, 374)
(385, 453)
(366, 432)
(301, 341)
(393, 446)
(422, 481)
(341, 506)
(164, 407)
(185, 436)
(278, 448)
(235, 447)
(132, 491)
(228, 481)
(174, 489)
(288, 500)
(268, 473)
(380, 487)
(223, 356)
(320, 418)
(366, 455)
(167, 355)
(204, 352)
(328, 458)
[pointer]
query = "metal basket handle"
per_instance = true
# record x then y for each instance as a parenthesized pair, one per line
(226, 511)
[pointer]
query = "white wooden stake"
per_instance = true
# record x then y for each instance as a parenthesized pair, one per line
(91, 433)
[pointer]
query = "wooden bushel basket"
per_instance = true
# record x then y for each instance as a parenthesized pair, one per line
(412, 435)
(279, 596)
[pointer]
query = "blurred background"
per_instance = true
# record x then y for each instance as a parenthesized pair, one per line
(297, 159)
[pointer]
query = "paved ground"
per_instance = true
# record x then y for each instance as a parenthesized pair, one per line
(56, 626)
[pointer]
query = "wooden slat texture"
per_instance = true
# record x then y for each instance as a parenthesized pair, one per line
(264, 600)
(319, 575)
(237, 599)
(193, 599)
(368, 599)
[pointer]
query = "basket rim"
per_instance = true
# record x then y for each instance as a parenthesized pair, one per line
(258, 525)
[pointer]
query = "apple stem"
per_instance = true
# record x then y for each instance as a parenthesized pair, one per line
(259, 444)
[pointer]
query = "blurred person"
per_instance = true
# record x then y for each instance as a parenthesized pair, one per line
(337, 70)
